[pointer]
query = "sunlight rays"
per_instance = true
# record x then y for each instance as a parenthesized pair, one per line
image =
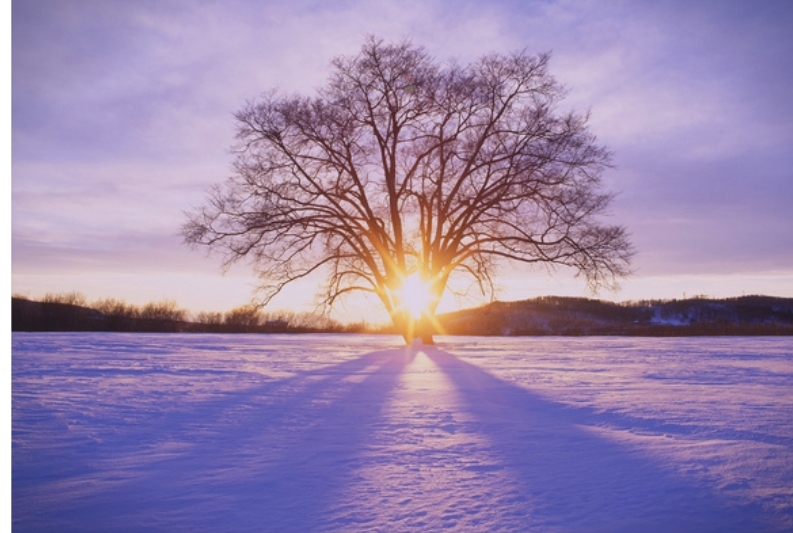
(416, 298)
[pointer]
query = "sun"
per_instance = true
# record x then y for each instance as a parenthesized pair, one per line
(415, 295)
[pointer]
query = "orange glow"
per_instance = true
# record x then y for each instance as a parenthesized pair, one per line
(415, 295)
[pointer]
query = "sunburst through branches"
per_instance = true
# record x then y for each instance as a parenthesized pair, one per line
(415, 295)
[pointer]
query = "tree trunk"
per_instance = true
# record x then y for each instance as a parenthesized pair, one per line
(425, 330)
(412, 329)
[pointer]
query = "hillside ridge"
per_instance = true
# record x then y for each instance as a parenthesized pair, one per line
(555, 315)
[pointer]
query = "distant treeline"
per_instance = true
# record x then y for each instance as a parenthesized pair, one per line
(747, 315)
(71, 312)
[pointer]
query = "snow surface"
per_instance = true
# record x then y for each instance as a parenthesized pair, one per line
(147, 432)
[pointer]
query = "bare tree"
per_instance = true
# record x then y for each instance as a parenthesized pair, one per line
(244, 318)
(164, 311)
(402, 168)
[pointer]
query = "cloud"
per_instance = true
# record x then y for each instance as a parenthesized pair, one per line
(122, 112)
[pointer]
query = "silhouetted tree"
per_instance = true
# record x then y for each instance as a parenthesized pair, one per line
(245, 318)
(166, 310)
(402, 166)
(209, 318)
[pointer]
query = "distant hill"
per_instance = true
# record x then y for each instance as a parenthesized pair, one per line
(747, 315)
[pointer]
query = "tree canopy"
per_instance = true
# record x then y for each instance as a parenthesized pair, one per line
(403, 167)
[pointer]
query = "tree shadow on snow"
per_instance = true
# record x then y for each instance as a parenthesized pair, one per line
(573, 479)
(268, 458)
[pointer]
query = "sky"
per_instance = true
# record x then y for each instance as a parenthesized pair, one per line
(122, 119)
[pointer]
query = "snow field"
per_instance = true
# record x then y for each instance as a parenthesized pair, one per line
(118, 432)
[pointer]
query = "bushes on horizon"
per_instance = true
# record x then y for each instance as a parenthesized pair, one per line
(68, 298)
(243, 318)
(70, 311)
(116, 308)
(209, 318)
(164, 311)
